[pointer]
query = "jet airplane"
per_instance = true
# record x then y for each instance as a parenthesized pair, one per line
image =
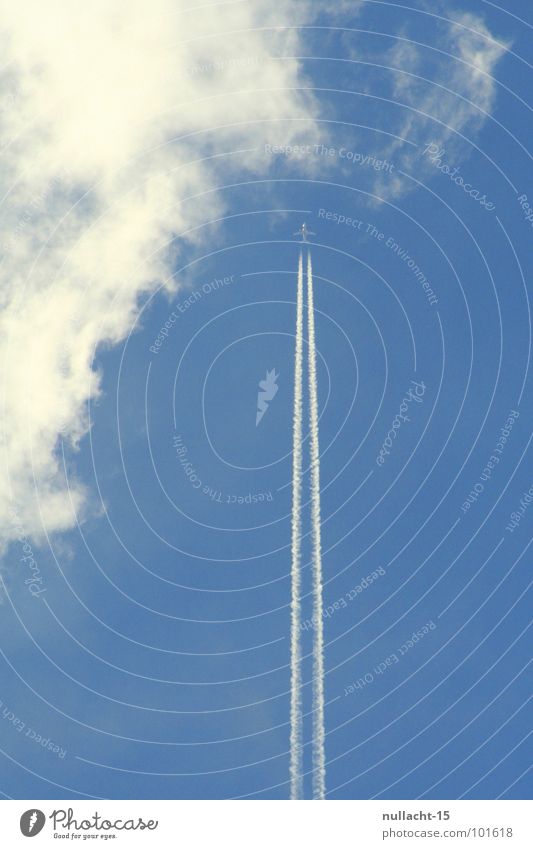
(304, 233)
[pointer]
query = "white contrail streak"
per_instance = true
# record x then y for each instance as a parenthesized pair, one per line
(319, 763)
(296, 768)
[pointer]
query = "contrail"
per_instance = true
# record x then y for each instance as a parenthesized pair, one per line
(319, 763)
(296, 768)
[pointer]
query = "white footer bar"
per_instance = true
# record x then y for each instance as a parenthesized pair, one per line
(269, 824)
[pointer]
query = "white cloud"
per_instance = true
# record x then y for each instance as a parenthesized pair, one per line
(94, 98)
(341, 8)
(457, 99)
(473, 43)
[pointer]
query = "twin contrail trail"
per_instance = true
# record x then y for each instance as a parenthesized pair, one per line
(318, 767)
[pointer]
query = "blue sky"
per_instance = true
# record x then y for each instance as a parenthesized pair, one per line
(155, 655)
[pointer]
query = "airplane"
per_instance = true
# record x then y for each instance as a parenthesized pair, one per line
(304, 233)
